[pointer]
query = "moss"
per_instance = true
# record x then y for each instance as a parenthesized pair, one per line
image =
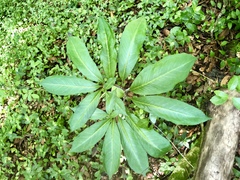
(185, 169)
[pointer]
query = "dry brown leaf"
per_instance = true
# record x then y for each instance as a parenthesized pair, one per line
(223, 34)
(166, 32)
(225, 80)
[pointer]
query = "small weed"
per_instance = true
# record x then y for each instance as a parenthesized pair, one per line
(221, 97)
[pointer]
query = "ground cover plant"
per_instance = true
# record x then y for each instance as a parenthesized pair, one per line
(221, 97)
(34, 128)
(119, 125)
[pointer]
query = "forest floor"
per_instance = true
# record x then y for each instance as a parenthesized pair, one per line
(35, 134)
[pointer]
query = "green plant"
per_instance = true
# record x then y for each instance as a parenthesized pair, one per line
(221, 97)
(234, 64)
(177, 36)
(110, 99)
(221, 16)
(191, 16)
(235, 170)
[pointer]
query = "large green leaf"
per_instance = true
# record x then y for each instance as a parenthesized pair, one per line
(89, 137)
(112, 149)
(108, 54)
(133, 150)
(163, 75)
(130, 45)
(172, 110)
(80, 57)
(114, 103)
(98, 115)
(120, 106)
(109, 84)
(154, 144)
(84, 110)
(110, 101)
(68, 85)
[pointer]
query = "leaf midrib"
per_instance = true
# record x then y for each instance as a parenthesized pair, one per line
(156, 79)
(157, 107)
(61, 85)
(142, 134)
(113, 129)
(127, 54)
(90, 104)
(87, 108)
(82, 62)
(109, 55)
(91, 136)
(130, 144)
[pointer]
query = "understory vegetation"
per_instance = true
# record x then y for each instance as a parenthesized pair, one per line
(36, 137)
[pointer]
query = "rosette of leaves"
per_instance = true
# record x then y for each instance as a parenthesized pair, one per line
(116, 122)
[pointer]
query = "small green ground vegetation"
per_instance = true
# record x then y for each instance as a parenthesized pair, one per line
(34, 130)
